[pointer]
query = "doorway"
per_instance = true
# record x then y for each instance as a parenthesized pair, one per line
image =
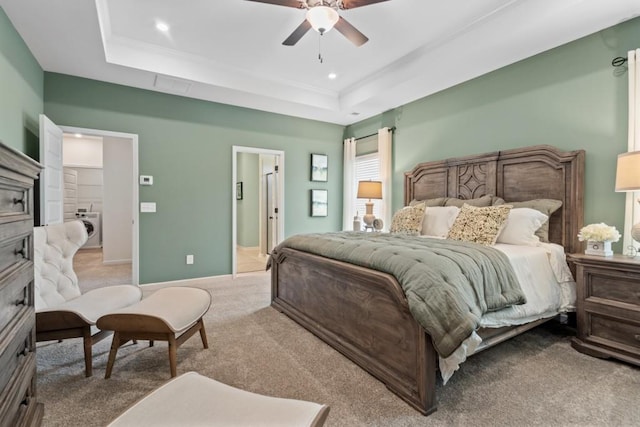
(105, 196)
(258, 203)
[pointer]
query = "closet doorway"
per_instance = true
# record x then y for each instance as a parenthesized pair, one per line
(258, 206)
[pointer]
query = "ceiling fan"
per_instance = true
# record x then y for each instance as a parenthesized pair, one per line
(322, 16)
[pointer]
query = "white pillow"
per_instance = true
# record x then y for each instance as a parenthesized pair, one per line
(521, 227)
(438, 220)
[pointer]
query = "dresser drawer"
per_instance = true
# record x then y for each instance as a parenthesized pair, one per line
(16, 342)
(14, 199)
(18, 396)
(616, 333)
(14, 291)
(619, 287)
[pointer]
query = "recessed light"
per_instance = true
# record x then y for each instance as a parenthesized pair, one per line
(332, 76)
(77, 135)
(161, 26)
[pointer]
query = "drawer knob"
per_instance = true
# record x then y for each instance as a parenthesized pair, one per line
(18, 201)
(24, 352)
(637, 337)
(21, 302)
(20, 252)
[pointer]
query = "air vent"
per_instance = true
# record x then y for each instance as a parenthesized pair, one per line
(171, 84)
(355, 113)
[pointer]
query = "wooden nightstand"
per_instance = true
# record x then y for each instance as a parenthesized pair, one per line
(608, 306)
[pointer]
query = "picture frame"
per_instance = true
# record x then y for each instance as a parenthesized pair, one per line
(239, 190)
(319, 167)
(319, 203)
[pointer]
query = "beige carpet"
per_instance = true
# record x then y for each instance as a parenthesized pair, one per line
(92, 273)
(534, 379)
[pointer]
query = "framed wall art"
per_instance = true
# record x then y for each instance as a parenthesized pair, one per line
(319, 167)
(319, 202)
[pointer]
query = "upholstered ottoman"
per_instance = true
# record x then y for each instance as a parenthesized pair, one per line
(195, 400)
(169, 314)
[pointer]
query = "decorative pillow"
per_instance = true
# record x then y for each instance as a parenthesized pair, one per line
(497, 201)
(439, 201)
(408, 220)
(438, 220)
(547, 207)
(521, 227)
(479, 224)
(479, 202)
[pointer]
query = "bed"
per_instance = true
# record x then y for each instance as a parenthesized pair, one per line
(332, 299)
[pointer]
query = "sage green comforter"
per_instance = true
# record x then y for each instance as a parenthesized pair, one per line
(449, 284)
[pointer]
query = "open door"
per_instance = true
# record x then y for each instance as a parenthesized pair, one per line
(51, 178)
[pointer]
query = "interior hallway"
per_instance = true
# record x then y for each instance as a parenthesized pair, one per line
(249, 259)
(92, 273)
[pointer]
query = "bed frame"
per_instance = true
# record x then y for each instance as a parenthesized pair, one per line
(364, 314)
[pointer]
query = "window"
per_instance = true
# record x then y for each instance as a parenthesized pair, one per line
(368, 168)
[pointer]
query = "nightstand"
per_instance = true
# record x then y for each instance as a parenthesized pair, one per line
(608, 306)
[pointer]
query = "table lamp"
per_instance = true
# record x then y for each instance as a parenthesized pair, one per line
(369, 190)
(628, 179)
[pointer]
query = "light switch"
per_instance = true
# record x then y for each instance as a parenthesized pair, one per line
(148, 207)
(146, 180)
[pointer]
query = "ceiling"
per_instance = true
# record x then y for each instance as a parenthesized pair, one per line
(231, 51)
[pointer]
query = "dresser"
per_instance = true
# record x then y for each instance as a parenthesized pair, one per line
(608, 306)
(18, 404)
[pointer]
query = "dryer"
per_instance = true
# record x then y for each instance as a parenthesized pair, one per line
(91, 221)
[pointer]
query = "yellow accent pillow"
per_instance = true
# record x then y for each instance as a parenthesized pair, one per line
(408, 220)
(479, 224)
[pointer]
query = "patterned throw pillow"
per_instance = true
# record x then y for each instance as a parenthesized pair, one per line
(479, 225)
(408, 220)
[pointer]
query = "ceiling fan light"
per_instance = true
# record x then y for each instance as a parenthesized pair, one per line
(322, 18)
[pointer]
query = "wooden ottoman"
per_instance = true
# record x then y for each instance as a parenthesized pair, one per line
(169, 314)
(195, 400)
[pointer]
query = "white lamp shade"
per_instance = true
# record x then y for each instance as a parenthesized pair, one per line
(322, 18)
(628, 172)
(370, 190)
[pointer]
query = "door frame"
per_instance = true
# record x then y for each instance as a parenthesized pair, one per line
(234, 203)
(135, 229)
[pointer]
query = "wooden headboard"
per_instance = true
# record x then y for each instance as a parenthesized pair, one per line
(537, 172)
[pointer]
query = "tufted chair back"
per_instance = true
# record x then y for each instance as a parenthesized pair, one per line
(54, 247)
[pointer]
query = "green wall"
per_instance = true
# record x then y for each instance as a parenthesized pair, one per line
(21, 91)
(570, 97)
(247, 208)
(186, 144)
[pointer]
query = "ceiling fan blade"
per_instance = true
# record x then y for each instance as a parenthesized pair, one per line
(352, 4)
(297, 33)
(289, 3)
(350, 32)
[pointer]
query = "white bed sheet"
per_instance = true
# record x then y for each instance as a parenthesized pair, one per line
(547, 284)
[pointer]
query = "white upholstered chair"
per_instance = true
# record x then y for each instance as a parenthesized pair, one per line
(62, 311)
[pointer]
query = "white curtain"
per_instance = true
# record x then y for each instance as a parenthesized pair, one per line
(349, 184)
(632, 209)
(386, 174)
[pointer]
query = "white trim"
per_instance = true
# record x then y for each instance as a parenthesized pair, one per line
(116, 262)
(198, 282)
(195, 282)
(234, 176)
(135, 238)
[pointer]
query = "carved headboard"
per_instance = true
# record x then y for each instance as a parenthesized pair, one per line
(537, 172)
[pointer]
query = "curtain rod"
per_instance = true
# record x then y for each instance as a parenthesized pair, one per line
(374, 134)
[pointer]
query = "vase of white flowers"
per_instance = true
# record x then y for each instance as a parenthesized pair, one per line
(599, 238)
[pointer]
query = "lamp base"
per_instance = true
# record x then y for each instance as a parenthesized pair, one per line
(368, 216)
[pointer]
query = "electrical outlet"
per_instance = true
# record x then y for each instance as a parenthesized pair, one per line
(189, 259)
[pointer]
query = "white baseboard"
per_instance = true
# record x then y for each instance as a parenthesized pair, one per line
(116, 261)
(196, 282)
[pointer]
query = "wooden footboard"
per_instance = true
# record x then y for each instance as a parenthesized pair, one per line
(364, 315)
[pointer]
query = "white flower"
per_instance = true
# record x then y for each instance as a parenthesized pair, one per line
(599, 233)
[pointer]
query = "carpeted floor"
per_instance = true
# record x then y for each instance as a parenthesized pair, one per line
(533, 379)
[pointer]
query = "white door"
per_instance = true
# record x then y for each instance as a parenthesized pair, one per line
(51, 178)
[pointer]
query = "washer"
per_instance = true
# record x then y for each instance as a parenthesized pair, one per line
(91, 221)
